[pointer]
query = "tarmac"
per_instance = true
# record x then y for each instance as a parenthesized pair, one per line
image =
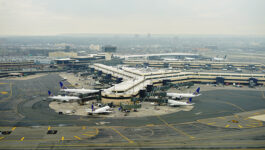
(25, 113)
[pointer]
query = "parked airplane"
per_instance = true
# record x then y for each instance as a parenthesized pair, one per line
(170, 59)
(188, 58)
(62, 98)
(219, 58)
(178, 103)
(184, 95)
(78, 91)
(102, 110)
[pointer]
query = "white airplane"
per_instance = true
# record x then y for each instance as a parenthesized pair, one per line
(184, 95)
(170, 59)
(78, 91)
(219, 58)
(62, 98)
(178, 103)
(188, 58)
(102, 110)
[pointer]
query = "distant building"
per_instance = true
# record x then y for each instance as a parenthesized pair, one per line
(61, 54)
(109, 50)
(94, 47)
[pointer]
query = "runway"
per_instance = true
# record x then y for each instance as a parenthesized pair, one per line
(24, 112)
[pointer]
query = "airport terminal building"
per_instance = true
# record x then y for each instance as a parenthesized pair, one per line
(136, 80)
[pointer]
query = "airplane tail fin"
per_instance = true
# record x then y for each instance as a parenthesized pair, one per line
(92, 107)
(49, 93)
(190, 99)
(197, 91)
(62, 86)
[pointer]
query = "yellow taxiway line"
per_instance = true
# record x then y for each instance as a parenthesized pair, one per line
(13, 128)
(22, 139)
(77, 137)
(118, 132)
(177, 130)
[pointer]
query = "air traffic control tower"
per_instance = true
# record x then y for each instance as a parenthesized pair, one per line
(109, 50)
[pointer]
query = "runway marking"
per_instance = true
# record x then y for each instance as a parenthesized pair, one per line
(227, 126)
(256, 113)
(251, 125)
(236, 116)
(89, 135)
(262, 94)
(3, 83)
(177, 130)
(13, 128)
(49, 128)
(97, 131)
(77, 137)
(4, 92)
(212, 123)
(62, 138)
(150, 125)
(234, 105)
(127, 139)
(83, 127)
(22, 139)
(221, 117)
(240, 126)
(11, 93)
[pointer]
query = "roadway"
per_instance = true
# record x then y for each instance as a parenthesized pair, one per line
(24, 112)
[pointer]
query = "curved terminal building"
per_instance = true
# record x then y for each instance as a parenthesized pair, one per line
(134, 80)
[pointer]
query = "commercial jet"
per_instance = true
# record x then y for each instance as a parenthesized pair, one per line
(184, 95)
(77, 91)
(189, 58)
(102, 110)
(219, 58)
(178, 103)
(62, 98)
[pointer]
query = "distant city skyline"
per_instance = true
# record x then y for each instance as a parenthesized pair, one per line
(55, 17)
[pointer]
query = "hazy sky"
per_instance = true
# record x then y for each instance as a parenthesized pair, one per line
(51, 17)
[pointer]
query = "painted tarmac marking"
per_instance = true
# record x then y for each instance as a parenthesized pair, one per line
(83, 127)
(77, 137)
(13, 128)
(62, 138)
(49, 128)
(22, 139)
(240, 126)
(177, 130)
(221, 117)
(150, 125)
(4, 92)
(262, 94)
(251, 126)
(1, 138)
(118, 132)
(212, 123)
(227, 126)
(88, 135)
(234, 106)
(236, 116)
